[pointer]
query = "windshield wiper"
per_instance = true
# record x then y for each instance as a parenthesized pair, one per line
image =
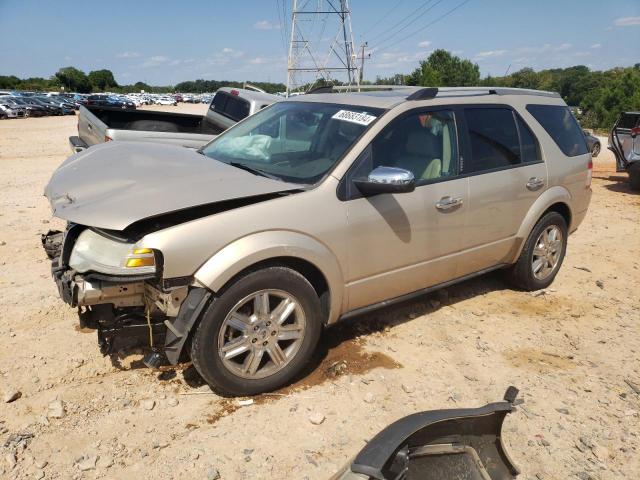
(255, 171)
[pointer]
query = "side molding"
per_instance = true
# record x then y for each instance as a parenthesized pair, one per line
(258, 247)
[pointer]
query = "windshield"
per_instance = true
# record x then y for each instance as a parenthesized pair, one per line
(293, 141)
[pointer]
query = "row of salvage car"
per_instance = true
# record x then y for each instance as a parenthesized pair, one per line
(34, 106)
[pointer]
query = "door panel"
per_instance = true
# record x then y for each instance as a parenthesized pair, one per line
(507, 176)
(402, 243)
(498, 203)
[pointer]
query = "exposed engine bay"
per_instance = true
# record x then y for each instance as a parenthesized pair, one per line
(126, 311)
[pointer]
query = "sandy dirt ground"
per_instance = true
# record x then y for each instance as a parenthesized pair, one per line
(573, 350)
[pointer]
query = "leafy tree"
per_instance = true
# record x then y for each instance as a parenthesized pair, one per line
(202, 86)
(446, 70)
(138, 86)
(73, 80)
(102, 80)
(9, 82)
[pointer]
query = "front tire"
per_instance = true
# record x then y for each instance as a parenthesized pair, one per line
(259, 334)
(542, 254)
(595, 151)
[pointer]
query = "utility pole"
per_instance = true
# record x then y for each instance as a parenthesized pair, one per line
(362, 59)
(328, 57)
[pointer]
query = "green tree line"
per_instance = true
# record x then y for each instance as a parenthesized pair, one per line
(75, 80)
(600, 95)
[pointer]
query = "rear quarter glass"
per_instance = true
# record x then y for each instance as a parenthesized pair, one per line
(562, 127)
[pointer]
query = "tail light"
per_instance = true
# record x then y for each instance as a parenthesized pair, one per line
(634, 132)
(235, 92)
(589, 173)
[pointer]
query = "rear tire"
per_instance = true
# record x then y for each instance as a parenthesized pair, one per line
(634, 176)
(595, 151)
(542, 254)
(247, 344)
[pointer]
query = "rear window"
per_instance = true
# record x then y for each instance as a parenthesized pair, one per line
(629, 120)
(562, 127)
(230, 106)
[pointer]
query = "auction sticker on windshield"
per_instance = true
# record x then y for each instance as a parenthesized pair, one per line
(354, 117)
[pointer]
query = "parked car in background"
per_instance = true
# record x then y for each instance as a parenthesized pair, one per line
(32, 109)
(97, 125)
(166, 101)
(318, 208)
(593, 143)
(51, 108)
(230, 105)
(65, 108)
(624, 142)
(109, 101)
(11, 110)
(104, 124)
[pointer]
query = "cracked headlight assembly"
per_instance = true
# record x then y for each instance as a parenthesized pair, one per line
(94, 252)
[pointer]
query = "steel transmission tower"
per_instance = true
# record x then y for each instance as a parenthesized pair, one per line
(321, 45)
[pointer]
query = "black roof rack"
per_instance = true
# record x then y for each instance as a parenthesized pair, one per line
(429, 93)
(424, 94)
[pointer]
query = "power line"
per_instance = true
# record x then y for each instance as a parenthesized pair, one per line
(285, 19)
(421, 29)
(384, 17)
(281, 25)
(414, 20)
(402, 20)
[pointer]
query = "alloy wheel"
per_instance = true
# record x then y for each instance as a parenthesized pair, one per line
(261, 334)
(547, 252)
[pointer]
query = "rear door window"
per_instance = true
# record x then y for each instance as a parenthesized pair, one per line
(562, 127)
(230, 106)
(493, 138)
(529, 147)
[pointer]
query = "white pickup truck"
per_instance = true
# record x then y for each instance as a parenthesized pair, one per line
(229, 106)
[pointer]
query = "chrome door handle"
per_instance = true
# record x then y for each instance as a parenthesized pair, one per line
(535, 183)
(447, 203)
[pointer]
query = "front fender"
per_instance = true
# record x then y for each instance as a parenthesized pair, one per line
(550, 197)
(258, 247)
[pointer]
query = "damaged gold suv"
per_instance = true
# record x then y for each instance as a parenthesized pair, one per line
(315, 209)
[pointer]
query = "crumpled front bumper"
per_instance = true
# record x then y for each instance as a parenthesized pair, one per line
(81, 291)
(125, 311)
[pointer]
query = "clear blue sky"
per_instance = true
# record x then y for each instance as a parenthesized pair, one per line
(163, 42)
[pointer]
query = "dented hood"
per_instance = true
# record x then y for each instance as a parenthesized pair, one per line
(115, 184)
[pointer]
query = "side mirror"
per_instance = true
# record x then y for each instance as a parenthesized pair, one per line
(386, 180)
